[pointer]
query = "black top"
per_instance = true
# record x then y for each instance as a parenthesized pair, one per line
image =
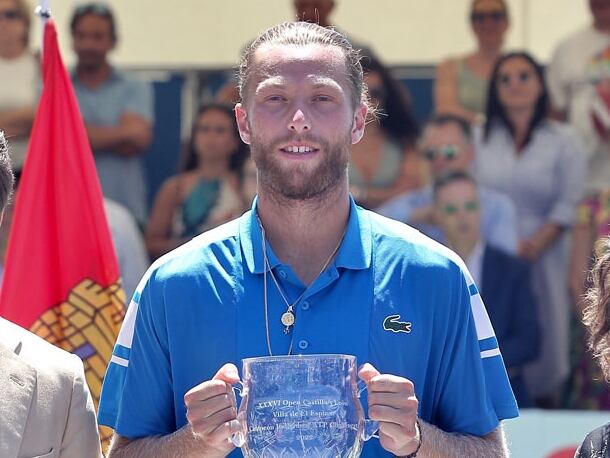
(595, 444)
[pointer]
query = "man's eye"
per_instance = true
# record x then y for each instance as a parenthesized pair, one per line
(322, 98)
(276, 98)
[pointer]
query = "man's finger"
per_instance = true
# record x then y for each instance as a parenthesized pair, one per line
(227, 373)
(367, 372)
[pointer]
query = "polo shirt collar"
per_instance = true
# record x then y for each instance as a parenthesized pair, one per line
(355, 251)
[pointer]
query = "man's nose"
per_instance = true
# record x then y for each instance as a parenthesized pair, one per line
(299, 122)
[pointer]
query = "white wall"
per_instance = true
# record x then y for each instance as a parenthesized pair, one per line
(210, 33)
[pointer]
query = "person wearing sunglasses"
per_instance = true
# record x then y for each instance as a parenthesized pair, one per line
(19, 74)
(502, 278)
(540, 165)
(445, 145)
(117, 109)
(461, 83)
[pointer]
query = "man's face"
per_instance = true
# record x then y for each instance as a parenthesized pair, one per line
(92, 40)
(316, 11)
(457, 212)
(13, 28)
(446, 149)
(299, 120)
(600, 9)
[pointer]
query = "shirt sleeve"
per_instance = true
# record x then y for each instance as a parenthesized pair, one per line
(569, 180)
(140, 100)
(475, 392)
(137, 396)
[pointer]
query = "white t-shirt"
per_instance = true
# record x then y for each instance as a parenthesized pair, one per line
(579, 63)
(19, 89)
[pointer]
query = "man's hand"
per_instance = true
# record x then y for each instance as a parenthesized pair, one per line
(392, 402)
(211, 409)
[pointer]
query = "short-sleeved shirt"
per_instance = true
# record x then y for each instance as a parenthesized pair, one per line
(201, 306)
(122, 178)
(498, 215)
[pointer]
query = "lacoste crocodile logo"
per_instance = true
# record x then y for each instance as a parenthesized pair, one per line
(391, 323)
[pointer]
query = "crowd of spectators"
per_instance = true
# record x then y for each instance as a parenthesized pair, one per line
(512, 171)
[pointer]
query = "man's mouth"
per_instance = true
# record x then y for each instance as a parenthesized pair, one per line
(299, 149)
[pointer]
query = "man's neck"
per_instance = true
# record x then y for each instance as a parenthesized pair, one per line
(464, 248)
(303, 234)
(520, 119)
(93, 76)
(11, 51)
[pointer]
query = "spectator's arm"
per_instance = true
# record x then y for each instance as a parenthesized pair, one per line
(17, 122)
(158, 237)
(582, 247)
(130, 137)
(446, 92)
(543, 238)
(407, 180)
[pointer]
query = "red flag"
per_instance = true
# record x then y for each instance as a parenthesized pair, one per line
(61, 277)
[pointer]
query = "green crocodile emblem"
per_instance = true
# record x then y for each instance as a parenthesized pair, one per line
(392, 323)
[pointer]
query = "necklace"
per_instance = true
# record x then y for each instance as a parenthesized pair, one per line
(288, 317)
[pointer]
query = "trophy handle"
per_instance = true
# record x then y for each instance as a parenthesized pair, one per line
(238, 438)
(370, 426)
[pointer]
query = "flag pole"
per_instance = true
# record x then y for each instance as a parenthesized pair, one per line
(43, 10)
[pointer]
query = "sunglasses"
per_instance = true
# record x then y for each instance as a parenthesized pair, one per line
(522, 77)
(471, 206)
(10, 15)
(494, 16)
(447, 152)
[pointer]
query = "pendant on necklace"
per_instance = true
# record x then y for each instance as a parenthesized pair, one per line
(287, 320)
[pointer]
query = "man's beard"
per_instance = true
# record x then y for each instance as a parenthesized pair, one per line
(301, 182)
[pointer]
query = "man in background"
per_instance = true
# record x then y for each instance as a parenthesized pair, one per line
(118, 110)
(503, 279)
(446, 145)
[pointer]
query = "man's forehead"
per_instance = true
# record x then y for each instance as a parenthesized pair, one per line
(273, 60)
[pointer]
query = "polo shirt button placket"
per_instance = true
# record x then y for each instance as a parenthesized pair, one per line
(303, 344)
(305, 306)
(283, 274)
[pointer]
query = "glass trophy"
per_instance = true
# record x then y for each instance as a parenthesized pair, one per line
(301, 406)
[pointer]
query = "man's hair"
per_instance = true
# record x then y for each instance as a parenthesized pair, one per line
(449, 178)
(444, 119)
(303, 34)
(6, 173)
(94, 9)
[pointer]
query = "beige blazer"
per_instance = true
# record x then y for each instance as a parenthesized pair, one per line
(46, 410)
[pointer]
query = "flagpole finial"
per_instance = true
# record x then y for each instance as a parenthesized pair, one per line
(43, 12)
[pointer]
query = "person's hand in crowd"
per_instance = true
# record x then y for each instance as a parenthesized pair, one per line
(392, 402)
(211, 411)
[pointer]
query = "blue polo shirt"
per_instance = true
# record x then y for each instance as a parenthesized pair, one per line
(202, 306)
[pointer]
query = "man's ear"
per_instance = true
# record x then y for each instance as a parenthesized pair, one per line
(241, 116)
(359, 123)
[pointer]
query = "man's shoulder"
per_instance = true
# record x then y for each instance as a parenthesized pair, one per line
(508, 261)
(188, 259)
(37, 352)
(404, 241)
(575, 41)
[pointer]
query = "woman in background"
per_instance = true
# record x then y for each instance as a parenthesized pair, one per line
(461, 83)
(207, 193)
(384, 163)
(540, 165)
